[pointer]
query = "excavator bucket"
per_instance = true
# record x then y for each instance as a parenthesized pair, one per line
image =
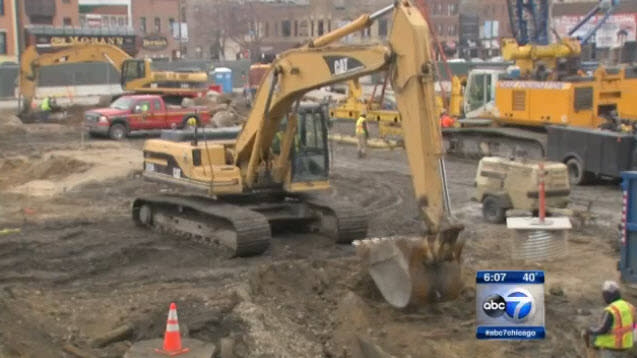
(414, 270)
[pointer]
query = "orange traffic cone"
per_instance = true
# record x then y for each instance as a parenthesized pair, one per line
(172, 337)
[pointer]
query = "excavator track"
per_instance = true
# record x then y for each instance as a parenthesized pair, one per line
(243, 231)
(341, 221)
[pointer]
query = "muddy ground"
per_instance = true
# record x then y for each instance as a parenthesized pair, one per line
(80, 268)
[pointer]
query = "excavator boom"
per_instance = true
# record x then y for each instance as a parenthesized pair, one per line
(137, 77)
(31, 62)
(407, 57)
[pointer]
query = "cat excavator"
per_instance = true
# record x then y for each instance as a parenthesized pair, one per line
(136, 74)
(238, 190)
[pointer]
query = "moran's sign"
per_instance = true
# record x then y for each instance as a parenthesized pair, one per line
(59, 41)
(49, 42)
(154, 43)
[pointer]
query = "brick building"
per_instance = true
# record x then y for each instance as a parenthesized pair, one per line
(32, 14)
(156, 22)
(8, 35)
(105, 13)
(271, 27)
(444, 16)
(56, 13)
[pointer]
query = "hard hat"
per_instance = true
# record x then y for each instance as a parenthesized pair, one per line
(610, 286)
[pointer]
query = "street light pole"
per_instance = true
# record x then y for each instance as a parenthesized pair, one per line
(181, 53)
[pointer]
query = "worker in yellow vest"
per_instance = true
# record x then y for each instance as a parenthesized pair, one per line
(45, 109)
(362, 134)
(613, 337)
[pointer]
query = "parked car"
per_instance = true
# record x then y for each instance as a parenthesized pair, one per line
(140, 112)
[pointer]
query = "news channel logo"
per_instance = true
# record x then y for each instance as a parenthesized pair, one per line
(511, 306)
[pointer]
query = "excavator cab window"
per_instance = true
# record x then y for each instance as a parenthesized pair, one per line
(132, 70)
(310, 161)
(480, 91)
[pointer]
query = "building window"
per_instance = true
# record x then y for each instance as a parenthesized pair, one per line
(67, 21)
(157, 25)
(439, 29)
(121, 21)
(452, 9)
(296, 28)
(142, 25)
(171, 27)
(320, 29)
(382, 28)
(286, 28)
(303, 28)
(312, 28)
(276, 29)
(267, 29)
(329, 25)
(451, 30)
(438, 8)
(114, 21)
(1, 7)
(3, 43)
(183, 14)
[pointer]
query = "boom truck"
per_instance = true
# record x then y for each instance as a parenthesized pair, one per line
(137, 75)
(238, 190)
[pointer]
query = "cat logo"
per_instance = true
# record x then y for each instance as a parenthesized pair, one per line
(340, 65)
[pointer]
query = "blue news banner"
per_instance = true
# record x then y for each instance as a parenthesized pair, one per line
(510, 305)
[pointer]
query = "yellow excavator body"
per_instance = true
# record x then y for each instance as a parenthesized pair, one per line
(275, 171)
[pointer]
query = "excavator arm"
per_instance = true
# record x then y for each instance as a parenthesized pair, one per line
(407, 57)
(405, 270)
(31, 62)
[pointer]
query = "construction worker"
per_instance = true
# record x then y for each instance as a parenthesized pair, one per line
(447, 121)
(626, 126)
(613, 337)
(45, 109)
(362, 134)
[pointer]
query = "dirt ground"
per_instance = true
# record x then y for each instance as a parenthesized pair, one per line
(79, 268)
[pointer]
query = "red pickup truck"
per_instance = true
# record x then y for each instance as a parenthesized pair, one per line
(140, 112)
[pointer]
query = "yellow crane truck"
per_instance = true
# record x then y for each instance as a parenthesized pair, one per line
(244, 187)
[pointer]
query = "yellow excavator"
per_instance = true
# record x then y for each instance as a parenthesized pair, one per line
(238, 190)
(136, 74)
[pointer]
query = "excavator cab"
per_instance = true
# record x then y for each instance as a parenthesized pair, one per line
(132, 70)
(310, 154)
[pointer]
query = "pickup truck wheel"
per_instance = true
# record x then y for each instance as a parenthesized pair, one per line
(117, 131)
(492, 211)
(576, 173)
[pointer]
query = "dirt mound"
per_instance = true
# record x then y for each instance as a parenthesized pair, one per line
(22, 170)
(11, 125)
(62, 170)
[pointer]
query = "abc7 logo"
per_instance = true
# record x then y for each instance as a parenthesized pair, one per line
(518, 305)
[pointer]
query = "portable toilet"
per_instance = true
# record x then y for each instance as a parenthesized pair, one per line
(223, 78)
(628, 229)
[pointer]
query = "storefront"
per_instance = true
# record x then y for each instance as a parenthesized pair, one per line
(47, 38)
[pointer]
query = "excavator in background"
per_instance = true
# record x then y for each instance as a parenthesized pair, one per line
(239, 190)
(137, 75)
